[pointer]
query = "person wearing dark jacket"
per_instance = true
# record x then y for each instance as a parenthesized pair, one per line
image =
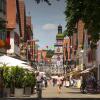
(83, 85)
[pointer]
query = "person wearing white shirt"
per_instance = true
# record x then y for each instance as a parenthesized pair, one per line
(59, 83)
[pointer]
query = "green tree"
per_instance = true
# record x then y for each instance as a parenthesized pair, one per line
(86, 10)
(50, 53)
(47, 1)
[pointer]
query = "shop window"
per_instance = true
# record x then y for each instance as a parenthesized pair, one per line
(3, 35)
(8, 36)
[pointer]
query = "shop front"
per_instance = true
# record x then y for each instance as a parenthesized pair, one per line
(89, 75)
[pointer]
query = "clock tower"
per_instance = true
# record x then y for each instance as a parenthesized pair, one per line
(59, 51)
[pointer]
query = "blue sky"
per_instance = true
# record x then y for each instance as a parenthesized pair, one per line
(45, 20)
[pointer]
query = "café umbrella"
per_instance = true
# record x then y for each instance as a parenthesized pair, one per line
(10, 61)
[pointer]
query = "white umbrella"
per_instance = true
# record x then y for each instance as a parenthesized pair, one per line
(25, 67)
(19, 65)
(86, 71)
(9, 60)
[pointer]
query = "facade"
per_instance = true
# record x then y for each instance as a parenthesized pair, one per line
(28, 37)
(66, 53)
(80, 33)
(22, 17)
(42, 56)
(29, 28)
(2, 9)
(82, 54)
(66, 47)
(3, 33)
(76, 46)
(75, 65)
(11, 23)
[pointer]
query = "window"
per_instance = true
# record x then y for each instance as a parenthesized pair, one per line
(2, 34)
(0, 5)
(4, 6)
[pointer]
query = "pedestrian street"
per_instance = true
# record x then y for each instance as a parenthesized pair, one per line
(51, 92)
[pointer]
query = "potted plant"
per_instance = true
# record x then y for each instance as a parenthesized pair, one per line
(29, 82)
(6, 80)
(33, 82)
(18, 79)
(1, 82)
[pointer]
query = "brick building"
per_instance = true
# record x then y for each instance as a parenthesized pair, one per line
(42, 56)
(66, 47)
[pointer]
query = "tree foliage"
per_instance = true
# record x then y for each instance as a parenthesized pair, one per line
(50, 53)
(86, 10)
(47, 1)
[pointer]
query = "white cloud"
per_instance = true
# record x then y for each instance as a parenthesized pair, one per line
(49, 27)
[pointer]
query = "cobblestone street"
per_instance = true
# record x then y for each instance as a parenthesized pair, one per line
(51, 92)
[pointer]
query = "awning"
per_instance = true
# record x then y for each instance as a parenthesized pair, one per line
(85, 71)
(73, 73)
(88, 70)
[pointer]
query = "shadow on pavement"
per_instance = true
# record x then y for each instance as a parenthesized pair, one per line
(50, 99)
(74, 92)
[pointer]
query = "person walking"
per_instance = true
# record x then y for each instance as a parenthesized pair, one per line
(83, 85)
(39, 85)
(45, 81)
(59, 84)
(54, 81)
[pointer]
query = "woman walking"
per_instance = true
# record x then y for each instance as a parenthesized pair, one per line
(59, 83)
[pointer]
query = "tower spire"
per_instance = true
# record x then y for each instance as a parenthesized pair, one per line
(59, 29)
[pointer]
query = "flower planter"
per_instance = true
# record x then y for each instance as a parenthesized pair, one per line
(18, 92)
(2, 43)
(27, 90)
(32, 90)
(6, 92)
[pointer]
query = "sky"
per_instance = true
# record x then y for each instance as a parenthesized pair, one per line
(45, 20)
